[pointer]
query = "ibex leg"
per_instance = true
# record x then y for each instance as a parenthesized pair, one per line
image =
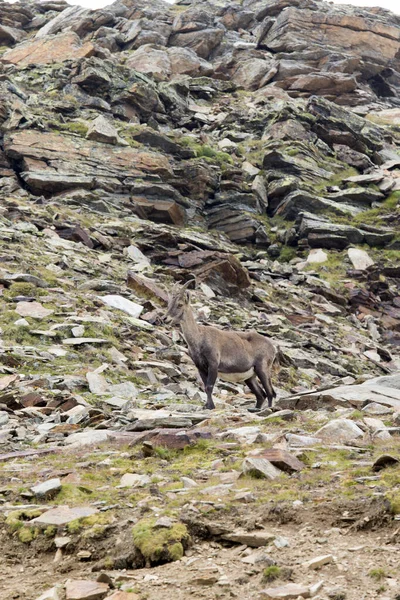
(265, 378)
(257, 390)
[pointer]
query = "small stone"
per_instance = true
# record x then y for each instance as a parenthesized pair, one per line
(318, 562)
(101, 130)
(188, 483)
(290, 591)
(22, 323)
(78, 331)
(134, 480)
(123, 596)
(47, 489)
(84, 555)
(281, 542)
(317, 255)
(62, 541)
(83, 589)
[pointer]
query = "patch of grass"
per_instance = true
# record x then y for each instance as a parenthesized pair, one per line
(287, 253)
(160, 544)
(21, 288)
(377, 574)
(271, 573)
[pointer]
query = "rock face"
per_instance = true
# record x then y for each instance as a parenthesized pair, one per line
(251, 150)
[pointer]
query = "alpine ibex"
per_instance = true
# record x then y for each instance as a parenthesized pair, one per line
(233, 356)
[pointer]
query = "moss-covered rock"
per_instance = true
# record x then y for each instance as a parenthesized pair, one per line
(160, 544)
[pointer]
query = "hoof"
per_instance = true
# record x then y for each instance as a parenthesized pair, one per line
(254, 409)
(209, 407)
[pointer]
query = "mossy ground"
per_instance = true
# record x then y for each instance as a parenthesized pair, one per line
(160, 544)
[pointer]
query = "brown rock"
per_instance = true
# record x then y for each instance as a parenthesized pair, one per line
(54, 163)
(49, 49)
(146, 287)
(83, 589)
(160, 211)
(282, 459)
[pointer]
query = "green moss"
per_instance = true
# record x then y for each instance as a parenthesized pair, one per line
(160, 544)
(16, 519)
(74, 127)
(21, 288)
(50, 531)
(98, 520)
(26, 535)
(271, 573)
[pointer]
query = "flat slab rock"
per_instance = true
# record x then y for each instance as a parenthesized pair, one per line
(255, 539)
(62, 515)
(36, 310)
(83, 589)
(352, 395)
(286, 592)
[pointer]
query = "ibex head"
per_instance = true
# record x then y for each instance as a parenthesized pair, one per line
(178, 300)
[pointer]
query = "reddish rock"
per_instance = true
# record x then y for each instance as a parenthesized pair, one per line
(50, 49)
(83, 589)
(146, 287)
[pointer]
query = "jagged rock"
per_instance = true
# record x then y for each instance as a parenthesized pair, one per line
(102, 130)
(359, 258)
(260, 467)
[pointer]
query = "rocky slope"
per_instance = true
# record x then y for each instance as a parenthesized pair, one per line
(254, 147)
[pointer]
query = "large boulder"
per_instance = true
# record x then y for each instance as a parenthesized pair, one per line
(49, 49)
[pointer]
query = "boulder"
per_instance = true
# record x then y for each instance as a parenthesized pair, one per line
(359, 259)
(340, 431)
(50, 49)
(101, 130)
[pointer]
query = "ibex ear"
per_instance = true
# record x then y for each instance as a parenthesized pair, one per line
(186, 297)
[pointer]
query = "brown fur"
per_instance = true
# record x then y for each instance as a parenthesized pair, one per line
(215, 351)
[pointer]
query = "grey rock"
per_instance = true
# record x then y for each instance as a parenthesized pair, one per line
(47, 489)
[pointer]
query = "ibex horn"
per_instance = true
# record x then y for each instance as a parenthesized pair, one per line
(187, 284)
